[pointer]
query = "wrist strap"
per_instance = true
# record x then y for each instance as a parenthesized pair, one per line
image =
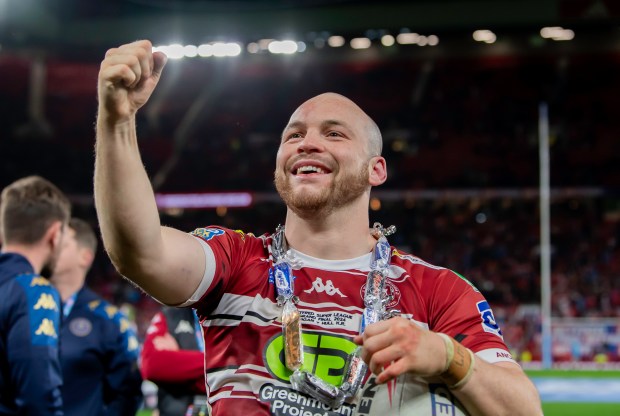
(459, 363)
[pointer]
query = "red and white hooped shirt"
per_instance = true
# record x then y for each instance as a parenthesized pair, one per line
(244, 357)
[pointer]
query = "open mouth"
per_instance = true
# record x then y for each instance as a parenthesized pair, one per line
(309, 169)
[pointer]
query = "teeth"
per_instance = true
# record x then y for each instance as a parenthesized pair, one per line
(305, 169)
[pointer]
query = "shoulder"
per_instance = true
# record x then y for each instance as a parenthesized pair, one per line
(429, 273)
(225, 240)
(39, 291)
(212, 232)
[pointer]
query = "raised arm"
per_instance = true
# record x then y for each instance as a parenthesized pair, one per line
(166, 263)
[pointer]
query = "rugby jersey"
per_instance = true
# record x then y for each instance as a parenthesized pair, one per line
(245, 372)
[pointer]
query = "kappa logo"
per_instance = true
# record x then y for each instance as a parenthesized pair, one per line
(319, 287)
(46, 301)
(39, 281)
(124, 325)
(184, 327)
(132, 344)
(111, 311)
(46, 328)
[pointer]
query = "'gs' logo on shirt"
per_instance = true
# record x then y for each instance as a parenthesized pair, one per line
(324, 355)
(488, 320)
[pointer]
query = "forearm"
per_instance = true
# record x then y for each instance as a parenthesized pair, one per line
(124, 200)
(499, 389)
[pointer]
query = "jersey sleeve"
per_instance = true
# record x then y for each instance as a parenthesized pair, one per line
(457, 308)
(32, 347)
(224, 252)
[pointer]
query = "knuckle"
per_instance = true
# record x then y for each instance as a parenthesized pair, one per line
(110, 52)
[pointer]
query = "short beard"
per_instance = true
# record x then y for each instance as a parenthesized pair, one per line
(342, 192)
(49, 267)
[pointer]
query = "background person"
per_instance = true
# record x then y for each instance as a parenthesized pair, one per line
(173, 358)
(98, 347)
(33, 216)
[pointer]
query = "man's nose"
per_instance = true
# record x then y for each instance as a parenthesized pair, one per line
(312, 142)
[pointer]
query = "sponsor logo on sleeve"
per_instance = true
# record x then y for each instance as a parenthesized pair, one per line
(488, 320)
(207, 233)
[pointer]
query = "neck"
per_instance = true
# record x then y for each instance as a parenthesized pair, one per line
(339, 235)
(67, 285)
(35, 254)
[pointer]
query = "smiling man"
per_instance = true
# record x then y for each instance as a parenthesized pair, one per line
(295, 322)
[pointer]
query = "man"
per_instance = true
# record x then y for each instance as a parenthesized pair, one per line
(279, 342)
(172, 357)
(33, 216)
(98, 348)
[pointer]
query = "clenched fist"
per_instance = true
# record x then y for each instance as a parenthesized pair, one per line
(127, 77)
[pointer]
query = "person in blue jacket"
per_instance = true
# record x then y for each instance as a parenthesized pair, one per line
(33, 218)
(98, 347)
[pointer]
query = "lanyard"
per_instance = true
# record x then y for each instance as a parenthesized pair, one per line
(375, 300)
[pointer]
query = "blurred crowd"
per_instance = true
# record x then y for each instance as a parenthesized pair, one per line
(468, 123)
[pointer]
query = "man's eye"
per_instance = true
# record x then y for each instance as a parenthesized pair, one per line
(334, 134)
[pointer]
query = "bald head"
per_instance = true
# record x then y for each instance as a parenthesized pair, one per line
(342, 103)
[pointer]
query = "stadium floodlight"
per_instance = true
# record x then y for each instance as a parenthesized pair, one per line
(174, 51)
(387, 40)
(336, 41)
(407, 38)
(205, 50)
(301, 46)
(190, 51)
(221, 49)
(484, 35)
(433, 40)
(360, 43)
(557, 33)
(286, 47)
(253, 47)
(422, 41)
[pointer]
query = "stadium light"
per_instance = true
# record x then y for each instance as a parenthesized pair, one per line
(557, 33)
(282, 47)
(407, 38)
(387, 40)
(205, 50)
(485, 36)
(360, 43)
(219, 49)
(336, 41)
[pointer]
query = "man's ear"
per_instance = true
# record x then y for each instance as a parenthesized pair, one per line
(377, 171)
(53, 235)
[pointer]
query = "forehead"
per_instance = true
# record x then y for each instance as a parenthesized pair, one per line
(329, 109)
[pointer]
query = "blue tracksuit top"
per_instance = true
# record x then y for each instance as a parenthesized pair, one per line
(98, 354)
(30, 373)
